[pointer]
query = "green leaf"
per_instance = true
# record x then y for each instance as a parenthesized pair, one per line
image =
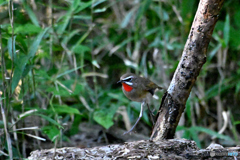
(28, 68)
(75, 4)
(42, 74)
(118, 96)
(179, 128)
(105, 116)
(2, 124)
(237, 88)
(19, 68)
(226, 30)
(22, 44)
(35, 44)
(97, 2)
(123, 43)
(142, 9)
(31, 15)
(49, 120)
(236, 122)
(234, 38)
(3, 2)
(81, 49)
(27, 29)
(68, 71)
(186, 134)
(152, 31)
(68, 37)
(214, 90)
(63, 25)
(76, 7)
(51, 132)
(210, 132)
(214, 51)
(58, 92)
(12, 51)
(194, 135)
(65, 109)
(187, 9)
(83, 6)
(23, 59)
(82, 17)
(165, 15)
(127, 18)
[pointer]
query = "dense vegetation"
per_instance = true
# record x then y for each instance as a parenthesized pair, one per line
(60, 61)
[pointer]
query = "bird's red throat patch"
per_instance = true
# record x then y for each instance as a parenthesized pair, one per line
(127, 87)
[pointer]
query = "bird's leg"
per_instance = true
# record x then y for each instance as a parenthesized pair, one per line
(151, 114)
(140, 116)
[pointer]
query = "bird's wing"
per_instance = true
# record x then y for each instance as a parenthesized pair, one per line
(150, 86)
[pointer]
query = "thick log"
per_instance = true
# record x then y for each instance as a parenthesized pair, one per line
(192, 60)
(167, 149)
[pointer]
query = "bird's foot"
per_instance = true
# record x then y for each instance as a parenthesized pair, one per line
(152, 112)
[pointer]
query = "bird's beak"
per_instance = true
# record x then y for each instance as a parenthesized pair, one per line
(119, 81)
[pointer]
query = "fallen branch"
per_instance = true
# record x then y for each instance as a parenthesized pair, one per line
(192, 60)
(167, 149)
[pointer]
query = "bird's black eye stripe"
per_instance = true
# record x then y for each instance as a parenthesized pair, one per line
(128, 79)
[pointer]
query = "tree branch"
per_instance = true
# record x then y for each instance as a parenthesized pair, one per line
(192, 60)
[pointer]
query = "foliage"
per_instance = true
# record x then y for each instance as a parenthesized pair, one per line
(60, 61)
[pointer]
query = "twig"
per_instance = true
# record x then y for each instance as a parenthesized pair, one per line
(11, 9)
(9, 144)
(93, 58)
(3, 68)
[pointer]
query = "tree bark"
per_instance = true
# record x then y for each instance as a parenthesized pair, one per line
(192, 60)
(166, 149)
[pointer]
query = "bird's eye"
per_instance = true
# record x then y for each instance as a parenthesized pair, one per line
(128, 80)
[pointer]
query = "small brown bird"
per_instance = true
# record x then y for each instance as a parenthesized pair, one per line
(138, 89)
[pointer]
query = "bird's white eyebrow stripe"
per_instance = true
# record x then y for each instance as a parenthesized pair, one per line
(129, 83)
(128, 77)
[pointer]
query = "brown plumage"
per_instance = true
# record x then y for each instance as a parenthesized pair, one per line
(141, 87)
(138, 89)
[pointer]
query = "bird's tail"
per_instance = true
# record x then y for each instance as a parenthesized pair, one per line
(160, 88)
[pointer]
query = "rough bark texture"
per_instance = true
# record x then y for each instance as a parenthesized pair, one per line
(167, 149)
(192, 60)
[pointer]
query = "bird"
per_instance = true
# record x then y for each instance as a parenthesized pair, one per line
(138, 89)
